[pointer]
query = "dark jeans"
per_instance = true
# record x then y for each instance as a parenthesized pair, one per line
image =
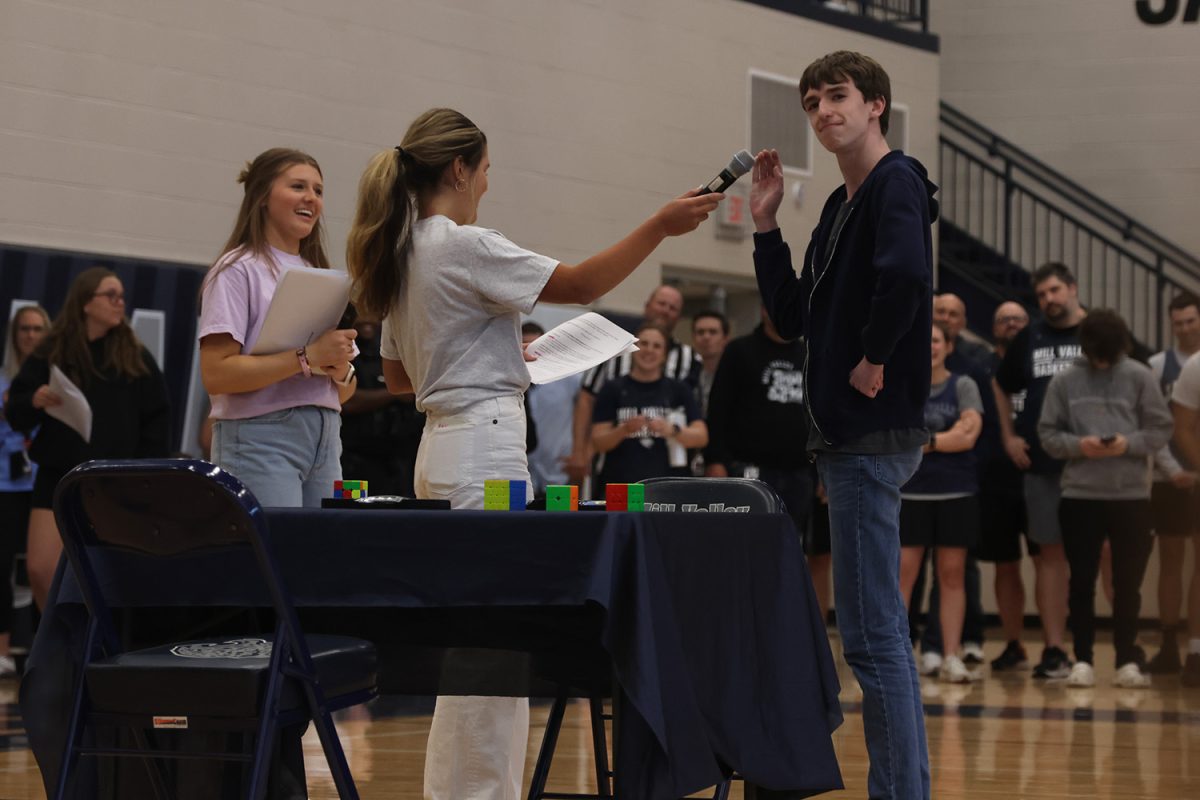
(1085, 526)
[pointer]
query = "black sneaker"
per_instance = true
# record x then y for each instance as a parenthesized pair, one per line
(1191, 670)
(1166, 662)
(1054, 664)
(1013, 657)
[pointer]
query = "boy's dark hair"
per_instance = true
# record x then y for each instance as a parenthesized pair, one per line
(1053, 269)
(1104, 336)
(1182, 301)
(532, 327)
(865, 72)
(710, 313)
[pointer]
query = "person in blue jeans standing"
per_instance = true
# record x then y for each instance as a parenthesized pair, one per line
(863, 302)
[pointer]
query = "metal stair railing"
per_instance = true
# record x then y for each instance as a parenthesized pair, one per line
(1028, 213)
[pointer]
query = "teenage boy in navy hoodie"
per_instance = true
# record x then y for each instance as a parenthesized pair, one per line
(863, 302)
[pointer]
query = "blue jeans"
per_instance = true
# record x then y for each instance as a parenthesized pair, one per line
(864, 521)
(285, 458)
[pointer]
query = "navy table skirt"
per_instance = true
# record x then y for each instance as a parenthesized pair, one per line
(708, 622)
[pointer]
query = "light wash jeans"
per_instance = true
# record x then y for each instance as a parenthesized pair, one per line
(477, 745)
(285, 458)
(864, 524)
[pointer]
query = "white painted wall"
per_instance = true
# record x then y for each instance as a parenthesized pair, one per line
(125, 122)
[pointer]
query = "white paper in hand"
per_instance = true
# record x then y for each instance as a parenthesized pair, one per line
(578, 344)
(74, 411)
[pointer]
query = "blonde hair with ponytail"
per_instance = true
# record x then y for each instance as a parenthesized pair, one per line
(394, 181)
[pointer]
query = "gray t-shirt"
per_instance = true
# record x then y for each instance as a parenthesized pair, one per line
(456, 325)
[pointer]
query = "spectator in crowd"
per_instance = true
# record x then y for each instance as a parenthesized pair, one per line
(1002, 504)
(663, 308)
(278, 422)
(551, 407)
(380, 431)
(950, 310)
(757, 428)
(939, 508)
(1036, 354)
(94, 346)
(1105, 417)
(1185, 405)
(644, 421)
(1174, 500)
(710, 334)
(29, 325)
(971, 356)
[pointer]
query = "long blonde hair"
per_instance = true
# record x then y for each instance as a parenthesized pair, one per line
(378, 246)
(13, 365)
(249, 233)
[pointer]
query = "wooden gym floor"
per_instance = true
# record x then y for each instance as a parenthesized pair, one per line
(1007, 737)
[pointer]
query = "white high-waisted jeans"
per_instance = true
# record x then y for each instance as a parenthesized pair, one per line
(477, 745)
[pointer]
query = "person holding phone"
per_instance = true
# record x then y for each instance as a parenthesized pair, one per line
(277, 421)
(1106, 417)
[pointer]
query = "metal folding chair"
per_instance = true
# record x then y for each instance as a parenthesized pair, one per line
(114, 513)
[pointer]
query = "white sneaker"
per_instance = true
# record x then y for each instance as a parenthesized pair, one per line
(955, 671)
(1130, 676)
(8, 667)
(1082, 674)
(930, 663)
(972, 653)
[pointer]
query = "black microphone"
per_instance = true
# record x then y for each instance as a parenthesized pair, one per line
(742, 163)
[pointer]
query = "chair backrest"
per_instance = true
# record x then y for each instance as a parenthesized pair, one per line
(711, 494)
(158, 508)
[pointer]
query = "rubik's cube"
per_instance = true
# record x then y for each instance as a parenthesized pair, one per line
(349, 490)
(562, 498)
(504, 495)
(624, 497)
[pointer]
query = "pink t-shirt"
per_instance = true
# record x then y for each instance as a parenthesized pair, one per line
(236, 302)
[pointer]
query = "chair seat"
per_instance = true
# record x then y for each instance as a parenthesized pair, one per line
(221, 678)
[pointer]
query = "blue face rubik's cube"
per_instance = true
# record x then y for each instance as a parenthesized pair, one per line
(349, 490)
(504, 495)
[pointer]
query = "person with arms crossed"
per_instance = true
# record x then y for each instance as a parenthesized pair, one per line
(451, 295)
(862, 302)
(1174, 500)
(277, 422)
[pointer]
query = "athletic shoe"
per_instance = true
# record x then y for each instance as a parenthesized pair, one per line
(1054, 664)
(930, 663)
(1013, 657)
(1166, 662)
(955, 671)
(972, 653)
(1130, 676)
(1082, 675)
(1191, 670)
(8, 667)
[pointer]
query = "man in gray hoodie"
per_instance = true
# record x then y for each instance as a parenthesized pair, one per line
(1106, 417)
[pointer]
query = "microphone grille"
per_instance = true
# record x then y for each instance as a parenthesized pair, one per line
(742, 163)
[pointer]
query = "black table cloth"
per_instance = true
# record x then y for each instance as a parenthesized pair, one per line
(708, 622)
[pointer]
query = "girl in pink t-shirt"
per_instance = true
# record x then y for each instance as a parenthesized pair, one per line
(276, 423)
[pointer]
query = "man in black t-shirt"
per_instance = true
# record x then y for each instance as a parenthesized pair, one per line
(1039, 352)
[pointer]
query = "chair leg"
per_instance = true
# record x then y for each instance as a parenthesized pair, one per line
(722, 792)
(600, 748)
(541, 769)
(335, 756)
(75, 726)
(154, 769)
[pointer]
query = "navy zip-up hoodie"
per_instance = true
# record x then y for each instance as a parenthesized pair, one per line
(873, 299)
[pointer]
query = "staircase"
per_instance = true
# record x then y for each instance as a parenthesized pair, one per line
(1004, 213)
